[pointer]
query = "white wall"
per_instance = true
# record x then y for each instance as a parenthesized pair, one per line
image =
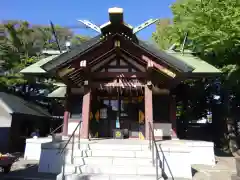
(5, 118)
(72, 126)
(5, 125)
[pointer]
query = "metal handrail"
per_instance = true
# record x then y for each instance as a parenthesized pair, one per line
(157, 162)
(62, 151)
(51, 133)
(165, 161)
(72, 136)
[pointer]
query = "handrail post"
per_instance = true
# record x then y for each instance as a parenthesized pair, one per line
(52, 132)
(73, 140)
(79, 135)
(159, 163)
(163, 166)
(157, 159)
(150, 141)
(63, 150)
(63, 165)
(153, 159)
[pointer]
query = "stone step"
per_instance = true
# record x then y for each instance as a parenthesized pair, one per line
(110, 161)
(110, 169)
(97, 146)
(110, 153)
(107, 177)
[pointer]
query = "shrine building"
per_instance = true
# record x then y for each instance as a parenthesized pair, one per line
(117, 81)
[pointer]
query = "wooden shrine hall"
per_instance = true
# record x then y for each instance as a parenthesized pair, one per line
(116, 81)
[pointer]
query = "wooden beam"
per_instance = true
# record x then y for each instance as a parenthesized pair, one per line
(135, 63)
(138, 52)
(78, 75)
(152, 64)
(75, 67)
(100, 75)
(74, 73)
(64, 71)
(94, 54)
(132, 56)
(102, 63)
(117, 84)
(78, 79)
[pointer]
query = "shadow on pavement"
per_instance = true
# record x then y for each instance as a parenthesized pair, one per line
(194, 171)
(222, 153)
(28, 171)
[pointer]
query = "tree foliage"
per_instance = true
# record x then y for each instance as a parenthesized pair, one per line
(163, 36)
(213, 28)
(21, 44)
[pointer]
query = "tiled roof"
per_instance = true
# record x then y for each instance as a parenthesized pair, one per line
(14, 104)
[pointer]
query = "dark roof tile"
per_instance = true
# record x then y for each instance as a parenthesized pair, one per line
(18, 105)
(76, 51)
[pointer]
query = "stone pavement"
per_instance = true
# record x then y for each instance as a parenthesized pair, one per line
(223, 170)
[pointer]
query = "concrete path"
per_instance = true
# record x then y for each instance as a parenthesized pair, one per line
(26, 170)
(223, 170)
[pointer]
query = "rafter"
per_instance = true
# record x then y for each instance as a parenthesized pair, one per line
(100, 75)
(147, 61)
(133, 49)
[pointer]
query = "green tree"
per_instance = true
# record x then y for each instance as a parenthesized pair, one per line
(21, 44)
(213, 29)
(163, 36)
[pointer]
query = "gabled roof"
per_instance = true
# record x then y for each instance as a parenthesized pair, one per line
(60, 92)
(117, 27)
(69, 56)
(198, 64)
(36, 67)
(13, 104)
(165, 57)
(72, 53)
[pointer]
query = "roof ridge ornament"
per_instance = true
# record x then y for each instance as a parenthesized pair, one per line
(116, 19)
(115, 15)
(144, 25)
(91, 25)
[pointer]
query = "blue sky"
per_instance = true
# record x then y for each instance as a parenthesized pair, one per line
(66, 12)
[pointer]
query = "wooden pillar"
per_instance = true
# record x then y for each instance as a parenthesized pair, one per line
(148, 110)
(86, 104)
(66, 113)
(173, 117)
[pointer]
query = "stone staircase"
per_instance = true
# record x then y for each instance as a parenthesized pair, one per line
(110, 160)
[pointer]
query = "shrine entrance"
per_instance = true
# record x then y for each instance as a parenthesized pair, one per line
(118, 109)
